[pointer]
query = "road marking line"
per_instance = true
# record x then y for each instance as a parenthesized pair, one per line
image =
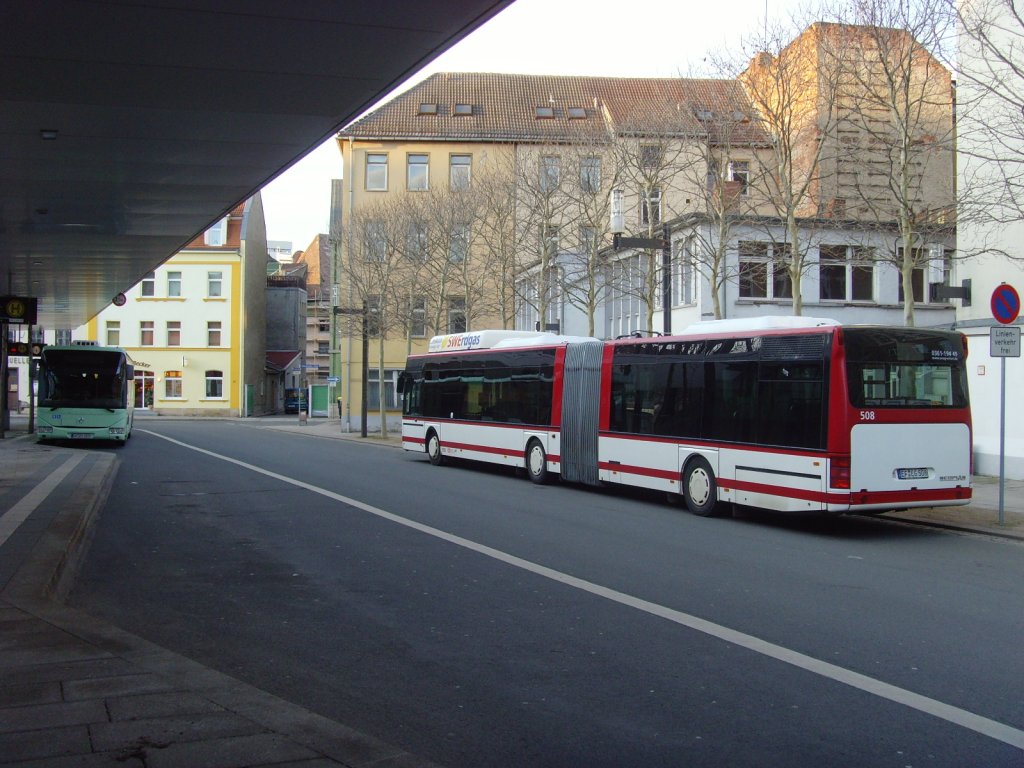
(19, 513)
(983, 725)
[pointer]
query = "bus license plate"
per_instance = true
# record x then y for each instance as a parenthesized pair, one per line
(916, 473)
(88, 435)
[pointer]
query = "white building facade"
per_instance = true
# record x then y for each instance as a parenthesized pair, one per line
(991, 226)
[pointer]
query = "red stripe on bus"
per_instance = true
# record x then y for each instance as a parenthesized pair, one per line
(855, 498)
(551, 457)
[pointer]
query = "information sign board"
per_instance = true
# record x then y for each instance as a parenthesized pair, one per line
(1004, 341)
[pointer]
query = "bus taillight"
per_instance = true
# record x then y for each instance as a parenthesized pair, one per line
(839, 472)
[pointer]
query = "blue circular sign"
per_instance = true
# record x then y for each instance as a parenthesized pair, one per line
(1005, 303)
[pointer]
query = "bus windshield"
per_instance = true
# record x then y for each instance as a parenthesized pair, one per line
(905, 368)
(71, 378)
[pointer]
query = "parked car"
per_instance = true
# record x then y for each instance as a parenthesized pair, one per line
(295, 401)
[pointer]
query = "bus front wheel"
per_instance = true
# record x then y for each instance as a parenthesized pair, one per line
(700, 489)
(536, 462)
(434, 449)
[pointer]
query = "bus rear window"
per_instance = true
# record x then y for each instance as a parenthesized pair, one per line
(905, 368)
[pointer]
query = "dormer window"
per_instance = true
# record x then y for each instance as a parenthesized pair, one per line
(577, 113)
(428, 108)
(463, 109)
(545, 113)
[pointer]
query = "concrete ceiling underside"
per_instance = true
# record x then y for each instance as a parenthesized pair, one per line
(127, 128)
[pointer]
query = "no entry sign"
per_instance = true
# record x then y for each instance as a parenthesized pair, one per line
(1005, 303)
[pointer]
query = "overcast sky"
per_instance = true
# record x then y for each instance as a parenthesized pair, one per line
(655, 38)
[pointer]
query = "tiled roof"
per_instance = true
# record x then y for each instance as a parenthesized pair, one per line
(544, 108)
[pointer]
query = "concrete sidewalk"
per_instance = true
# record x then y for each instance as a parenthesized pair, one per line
(76, 691)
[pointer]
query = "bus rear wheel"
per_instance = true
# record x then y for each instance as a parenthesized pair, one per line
(434, 449)
(536, 462)
(700, 488)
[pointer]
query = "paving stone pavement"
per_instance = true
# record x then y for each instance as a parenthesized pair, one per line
(79, 692)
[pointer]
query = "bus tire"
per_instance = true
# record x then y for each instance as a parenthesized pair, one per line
(536, 462)
(434, 449)
(700, 488)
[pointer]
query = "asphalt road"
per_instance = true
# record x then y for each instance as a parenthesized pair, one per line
(473, 618)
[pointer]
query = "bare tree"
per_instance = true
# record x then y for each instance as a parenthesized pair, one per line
(894, 164)
(990, 113)
(542, 215)
(497, 241)
(592, 171)
(721, 184)
(374, 269)
(793, 86)
(654, 146)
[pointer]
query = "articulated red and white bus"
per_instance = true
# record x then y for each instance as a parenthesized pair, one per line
(787, 414)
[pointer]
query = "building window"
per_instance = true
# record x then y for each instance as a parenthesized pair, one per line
(463, 109)
(215, 384)
(323, 326)
(376, 172)
(174, 284)
(376, 243)
(932, 266)
(550, 173)
(149, 284)
(213, 328)
(322, 348)
(651, 156)
(417, 172)
(544, 113)
(460, 171)
(763, 270)
(373, 315)
(416, 241)
(113, 333)
(173, 333)
(739, 171)
(458, 245)
(146, 333)
(390, 388)
(588, 240)
(916, 276)
(650, 208)
(684, 275)
(846, 273)
(213, 284)
(590, 174)
(172, 384)
(63, 337)
(418, 318)
(625, 289)
(457, 315)
(217, 234)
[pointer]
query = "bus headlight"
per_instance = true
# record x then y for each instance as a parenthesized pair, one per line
(41, 430)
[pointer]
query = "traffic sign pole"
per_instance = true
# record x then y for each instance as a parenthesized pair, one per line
(1003, 343)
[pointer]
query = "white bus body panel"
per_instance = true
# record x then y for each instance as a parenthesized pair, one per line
(905, 457)
(783, 482)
